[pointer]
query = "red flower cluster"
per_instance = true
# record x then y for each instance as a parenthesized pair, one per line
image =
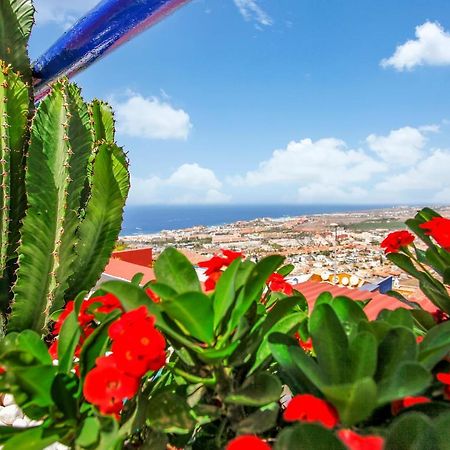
(277, 283)
(137, 347)
(444, 378)
(440, 316)
(396, 240)
(407, 402)
(307, 408)
(247, 442)
(354, 441)
(439, 229)
(96, 305)
(215, 265)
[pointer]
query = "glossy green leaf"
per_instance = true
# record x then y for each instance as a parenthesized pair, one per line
(355, 402)
(408, 379)
(398, 346)
(194, 312)
(308, 436)
(89, 433)
(225, 292)
(412, 431)
(67, 342)
(169, 413)
(330, 344)
(29, 341)
(259, 421)
(36, 438)
(64, 394)
(435, 345)
(363, 351)
(258, 390)
(175, 270)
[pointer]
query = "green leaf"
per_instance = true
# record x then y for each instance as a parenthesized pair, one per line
(225, 292)
(31, 342)
(399, 317)
(169, 413)
(435, 345)
(194, 312)
(408, 379)
(56, 172)
(330, 344)
(308, 436)
(405, 263)
(89, 433)
(36, 438)
(254, 286)
(324, 297)
(288, 325)
(398, 346)
(286, 270)
(355, 402)
(348, 310)
(64, 391)
(258, 390)
(363, 351)
(259, 421)
(285, 351)
(102, 221)
(412, 431)
(175, 270)
(67, 343)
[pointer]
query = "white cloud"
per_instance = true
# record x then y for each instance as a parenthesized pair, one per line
(62, 12)
(431, 47)
(250, 10)
(403, 146)
(151, 118)
(190, 183)
(326, 161)
(428, 180)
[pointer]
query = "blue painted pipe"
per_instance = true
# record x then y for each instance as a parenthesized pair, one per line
(104, 28)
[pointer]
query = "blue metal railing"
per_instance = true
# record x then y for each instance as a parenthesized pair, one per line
(104, 28)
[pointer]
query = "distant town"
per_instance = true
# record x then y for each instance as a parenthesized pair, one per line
(316, 245)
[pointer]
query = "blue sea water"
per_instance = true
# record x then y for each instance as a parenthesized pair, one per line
(154, 218)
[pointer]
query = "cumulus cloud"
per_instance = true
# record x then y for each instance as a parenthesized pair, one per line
(151, 118)
(189, 183)
(403, 146)
(250, 10)
(327, 161)
(398, 167)
(62, 12)
(431, 47)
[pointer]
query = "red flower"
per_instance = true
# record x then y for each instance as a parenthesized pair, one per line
(2, 370)
(230, 256)
(396, 240)
(152, 295)
(137, 345)
(247, 442)
(277, 283)
(305, 345)
(215, 265)
(307, 408)
(62, 317)
(439, 229)
(354, 441)
(444, 378)
(407, 402)
(104, 304)
(419, 339)
(106, 386)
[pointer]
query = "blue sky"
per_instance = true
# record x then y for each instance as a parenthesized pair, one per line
(290, 101)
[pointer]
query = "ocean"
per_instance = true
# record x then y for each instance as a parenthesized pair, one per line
(154, 218)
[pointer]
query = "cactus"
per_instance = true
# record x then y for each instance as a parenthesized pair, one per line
(63, 186)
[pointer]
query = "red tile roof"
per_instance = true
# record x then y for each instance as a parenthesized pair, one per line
(125, 270)
(312, 289)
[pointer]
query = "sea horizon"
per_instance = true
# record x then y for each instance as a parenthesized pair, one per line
(149, 219)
